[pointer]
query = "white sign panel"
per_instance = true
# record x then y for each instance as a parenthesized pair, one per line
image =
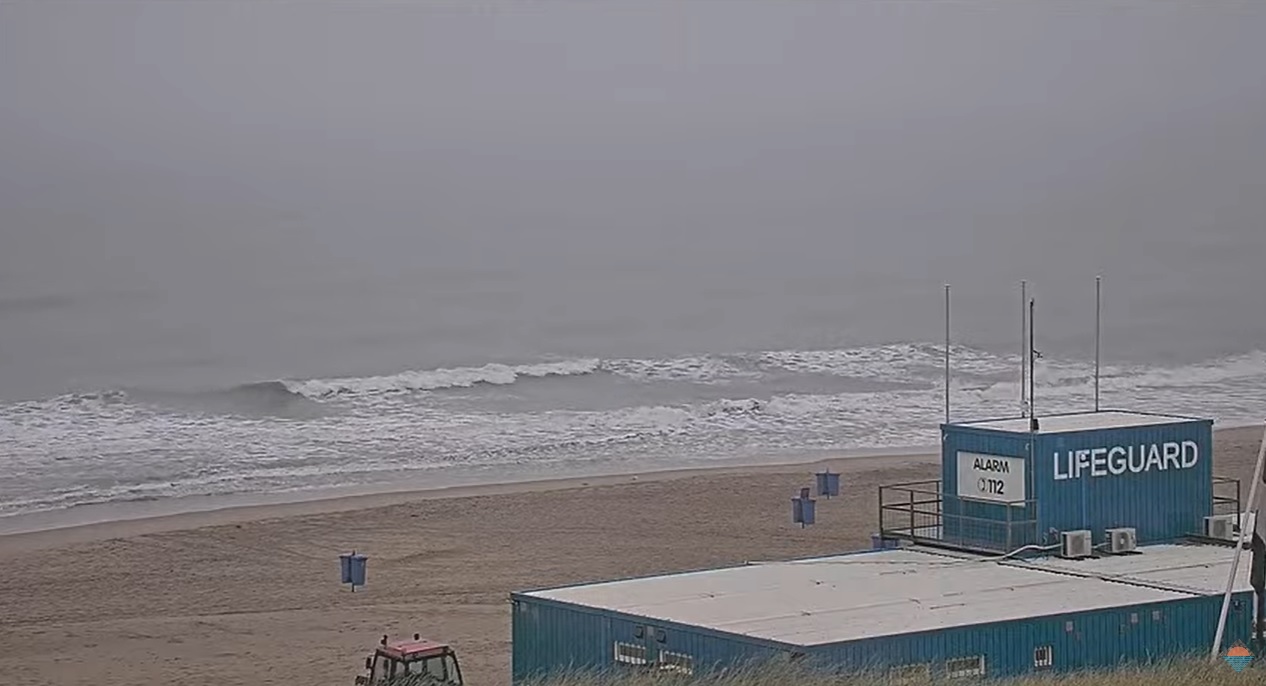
(995, 478)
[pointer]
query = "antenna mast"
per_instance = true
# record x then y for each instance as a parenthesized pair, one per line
(1024, 356)
(1098, 317)
(947, 353)
(1033, 355)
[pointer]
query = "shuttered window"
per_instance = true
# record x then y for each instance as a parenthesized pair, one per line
(679, 663)
(630, 653)
(965, 667)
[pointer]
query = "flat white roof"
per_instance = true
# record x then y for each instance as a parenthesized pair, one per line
(1081, 421)
(848, 597)
(1202, 569)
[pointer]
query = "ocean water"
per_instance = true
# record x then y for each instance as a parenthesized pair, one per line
(407, 245)
(547, 417)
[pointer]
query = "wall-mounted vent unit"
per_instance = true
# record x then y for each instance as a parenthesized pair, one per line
(630, 653)
(677, 663)
(1075, 544)
(1221, 527)
(1122, 540)
(965, 667)
(1044, 657)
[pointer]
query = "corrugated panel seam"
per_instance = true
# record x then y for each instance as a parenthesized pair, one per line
(1116, 579)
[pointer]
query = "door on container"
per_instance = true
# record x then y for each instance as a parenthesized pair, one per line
(1061, 649)
(1239, 620)
(666, 659)
(659, 658)
(651, 638)
(637, 655)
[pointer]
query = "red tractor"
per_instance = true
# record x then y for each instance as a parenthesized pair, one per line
(418, 662)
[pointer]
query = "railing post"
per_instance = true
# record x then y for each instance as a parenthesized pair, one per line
(1035, 518)
(881, 513)
(912, 534)
(1009, 546)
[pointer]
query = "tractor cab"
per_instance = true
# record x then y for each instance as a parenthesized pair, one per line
(418, 662)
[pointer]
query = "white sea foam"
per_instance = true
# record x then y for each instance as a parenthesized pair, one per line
(698, 368)
(435, 379)
(694, 368)
(99, 447)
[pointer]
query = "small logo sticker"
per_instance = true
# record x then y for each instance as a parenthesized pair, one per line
(1238, 657)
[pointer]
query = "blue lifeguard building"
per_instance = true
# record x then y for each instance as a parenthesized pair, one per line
(1082, 541)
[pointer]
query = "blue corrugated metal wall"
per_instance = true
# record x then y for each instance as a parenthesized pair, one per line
(1098, 639)
(1162, 505)
(961, 520)
(546, 637)
(550, 637)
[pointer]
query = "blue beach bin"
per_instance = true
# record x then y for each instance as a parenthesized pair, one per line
(828, 483)
(802, 509)
(352, 566)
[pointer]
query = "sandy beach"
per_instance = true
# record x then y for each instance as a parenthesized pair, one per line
(252, 595)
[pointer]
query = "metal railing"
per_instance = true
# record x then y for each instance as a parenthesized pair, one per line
(919, 512)
(1228, 501)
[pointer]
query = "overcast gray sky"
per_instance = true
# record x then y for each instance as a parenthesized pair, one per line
(198, 137)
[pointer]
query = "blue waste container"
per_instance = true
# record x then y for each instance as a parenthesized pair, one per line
(802, 511)
(353, 568)
(828, 483)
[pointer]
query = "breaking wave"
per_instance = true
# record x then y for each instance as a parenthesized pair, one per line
(116, 446)
(439, 379)
(894, 363)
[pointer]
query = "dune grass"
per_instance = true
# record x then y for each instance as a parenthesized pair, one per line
(1176, 673)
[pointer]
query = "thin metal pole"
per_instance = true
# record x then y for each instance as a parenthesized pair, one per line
(1024, 356)
(1032, 370)
(1239, 548)
(947, 353)
(1098, 327)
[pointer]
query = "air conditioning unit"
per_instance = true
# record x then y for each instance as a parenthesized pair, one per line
(1075, 544)
(1122, 540)
(1221, 526)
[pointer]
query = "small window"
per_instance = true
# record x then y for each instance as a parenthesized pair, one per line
(909, 675)
(678, 663)
(630, 653)
(1068, 627)
(965, 667)
(1156, 615)
(1134, 618)
(1043, 657)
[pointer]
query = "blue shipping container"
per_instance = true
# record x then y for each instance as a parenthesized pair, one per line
(995, 509)
(944, 615)
(1091, 471)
